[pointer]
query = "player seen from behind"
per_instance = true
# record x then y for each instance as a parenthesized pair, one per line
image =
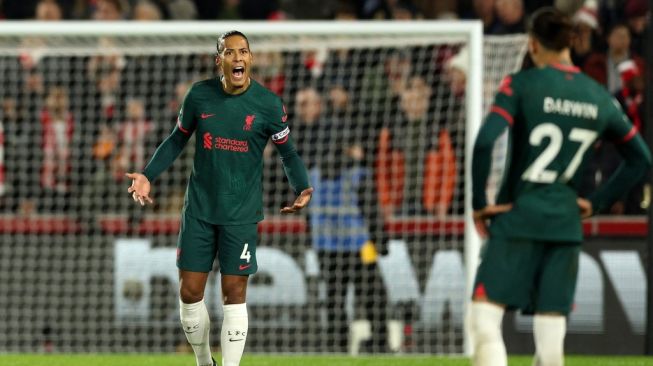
(554, 114)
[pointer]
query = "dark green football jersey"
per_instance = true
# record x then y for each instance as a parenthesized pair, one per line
(231, 131)
(556, 114)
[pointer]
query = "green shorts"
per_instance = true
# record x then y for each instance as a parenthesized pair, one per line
(200, 241)
(534, 276)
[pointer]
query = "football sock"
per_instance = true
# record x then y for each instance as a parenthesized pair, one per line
(549, 334)
(489, 349)
(233, 334)
(196, 324)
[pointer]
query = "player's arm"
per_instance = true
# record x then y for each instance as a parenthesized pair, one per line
(499, 118)
(636, 162)
(293, 165)
(166, 153)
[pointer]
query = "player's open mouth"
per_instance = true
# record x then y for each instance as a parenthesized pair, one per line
(238, 72)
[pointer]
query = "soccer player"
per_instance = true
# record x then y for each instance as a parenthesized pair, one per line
(233, 117)
(554, 114)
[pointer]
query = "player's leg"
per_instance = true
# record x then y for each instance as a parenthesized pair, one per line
(549, 335)
(489, 348)
(195, 255)
(237, 256)
(555, 295)
(235, 322)
(504, 279)
(194, 314)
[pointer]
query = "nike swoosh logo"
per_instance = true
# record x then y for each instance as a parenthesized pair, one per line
(242, 267)
(205, 115)
(236, 340)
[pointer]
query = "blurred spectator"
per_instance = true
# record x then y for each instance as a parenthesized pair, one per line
(569, 7)
(310, 9)
(57, 129)
(134, 135)
(603, 67)
(308, 112)
(339, 231)
(637, 13)
(484, 10)
(48, 10)
(146, 11)
(181, 10)
(345, 10)
(105, 72)
(230, 10)
(403, 10)
(509, 17)
(374, 9)
(268, 70)
(261, 10)
(19, 9)
(586, 25)
(109, 10)
(631, 95)
(437, 9)
(412, 151)
(456, 72)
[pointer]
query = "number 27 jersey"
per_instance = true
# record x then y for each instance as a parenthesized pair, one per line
(556, 114)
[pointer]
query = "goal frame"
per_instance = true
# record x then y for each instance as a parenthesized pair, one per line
(470, 30)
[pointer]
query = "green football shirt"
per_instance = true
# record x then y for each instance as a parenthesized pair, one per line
(555, 115)
(225, 185)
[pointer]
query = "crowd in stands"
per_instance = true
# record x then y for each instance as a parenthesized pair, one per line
(498, 16)
(386, 110)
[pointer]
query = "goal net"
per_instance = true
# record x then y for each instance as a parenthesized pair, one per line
(382, 115)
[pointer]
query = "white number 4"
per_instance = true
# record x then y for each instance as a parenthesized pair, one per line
(245, 254)
(538, 172)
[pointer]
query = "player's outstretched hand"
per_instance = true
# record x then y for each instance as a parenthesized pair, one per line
(481, 216)
(301, 202)
(140, 188)
(585, 206)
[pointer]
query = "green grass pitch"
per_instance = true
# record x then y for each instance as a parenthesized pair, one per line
(275, 360)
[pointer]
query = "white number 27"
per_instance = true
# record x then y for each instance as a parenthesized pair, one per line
(245, 254)
(538, 172)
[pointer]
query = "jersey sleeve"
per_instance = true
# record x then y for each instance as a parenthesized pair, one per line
(187, 118)
(279, 132)
(174, 144)
(619, 129)
(499, 117)
(636, 159)
(506, 102)
(277, 126)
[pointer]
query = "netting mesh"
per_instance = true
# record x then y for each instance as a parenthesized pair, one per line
(379, 121)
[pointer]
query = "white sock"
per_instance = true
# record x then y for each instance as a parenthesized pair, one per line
(489, 349)
(196, 324)
(549, 333)
(233, 334)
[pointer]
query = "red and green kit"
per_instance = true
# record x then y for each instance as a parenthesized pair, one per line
(554, 116)
(225, 187)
